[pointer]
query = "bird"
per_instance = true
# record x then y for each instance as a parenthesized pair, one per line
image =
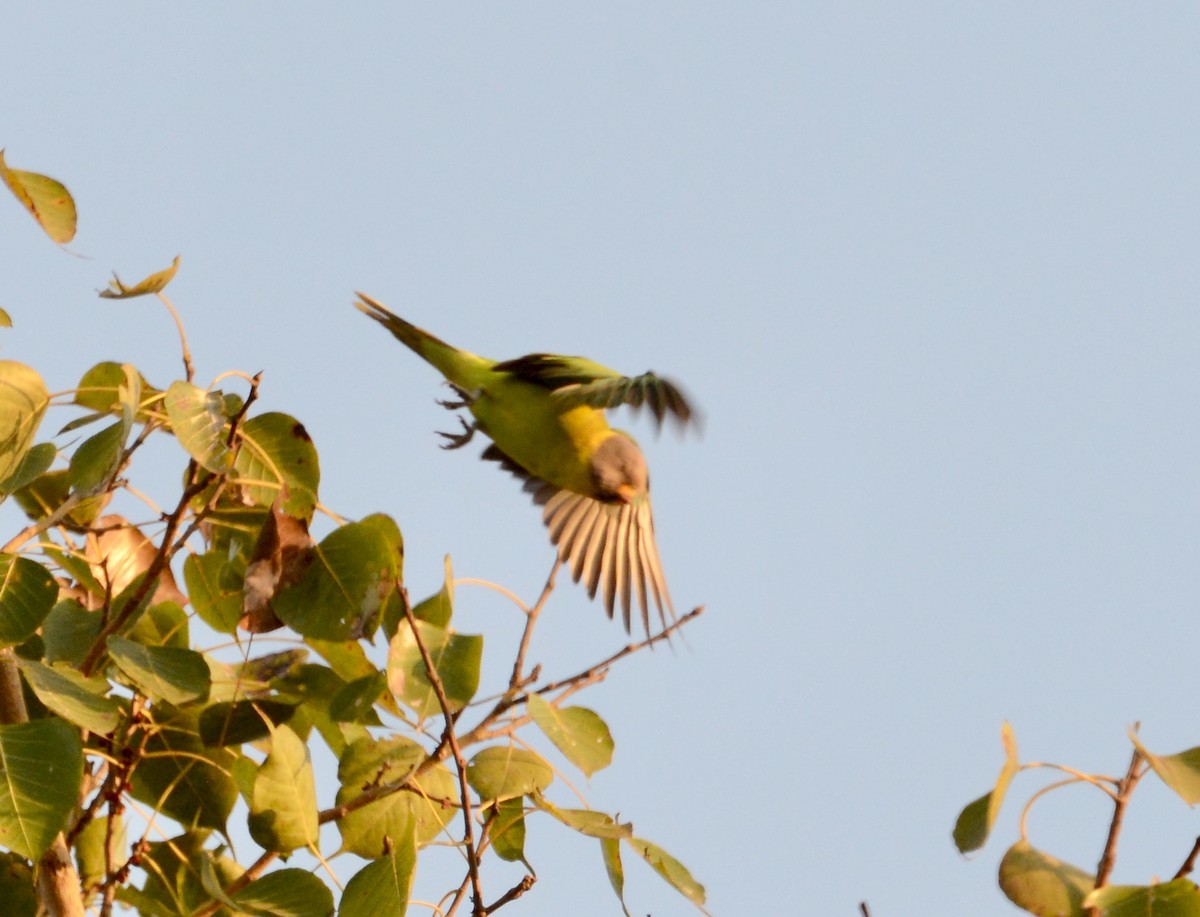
(545, 417)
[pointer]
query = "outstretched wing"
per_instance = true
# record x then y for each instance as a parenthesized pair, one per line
(579, 381)
(609, 547)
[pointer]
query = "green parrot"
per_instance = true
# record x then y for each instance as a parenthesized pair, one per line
(545, 417)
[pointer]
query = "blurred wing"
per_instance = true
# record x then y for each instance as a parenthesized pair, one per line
(578, 381)
(609, 547)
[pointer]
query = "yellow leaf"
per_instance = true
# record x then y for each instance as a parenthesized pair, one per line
(152, 284)
(47, 200)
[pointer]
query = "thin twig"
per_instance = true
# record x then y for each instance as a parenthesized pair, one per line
(862, 906)
(460, 762)
(1125, 787)
(257, 869)
(512, 894)
(187, 356)
(1190, 863)
(514, 683)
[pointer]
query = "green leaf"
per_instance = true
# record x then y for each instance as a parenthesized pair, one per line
(79, 700)
(168, 673)
(155, 283)
(90, 845)
(198, 420)
(44, 495)
(339, 593)
(428, 801)
(503, 772)
(215, 588)
(1041, 884)
(23, 401)
(41, 767)
(47, 200)
(586, 821)
(33, 465)
(163, 624)
(382, 888)
(1177, 898)
(355, 703)
(97, 459)
(275, 451)
(108, 388)
(27, 593)
(180, 776)
(439, 607)
(506, 824)
(242, 721)
(286, 893)
(283, 809)
(577, 732)
(1181, 771)
(670, 869)
(16, 886)
(976, 820)
(69, 632)
(610, 850)
(456, 658)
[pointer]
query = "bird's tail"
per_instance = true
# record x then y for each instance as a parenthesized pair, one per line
(461, 367)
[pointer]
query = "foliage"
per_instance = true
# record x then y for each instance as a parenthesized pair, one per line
(1041, 884)
(125, 744)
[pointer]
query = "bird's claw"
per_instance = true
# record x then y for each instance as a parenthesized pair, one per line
(466, 399)
(458, 440)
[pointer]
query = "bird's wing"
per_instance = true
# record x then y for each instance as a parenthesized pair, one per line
(609, 547)
(579, 381)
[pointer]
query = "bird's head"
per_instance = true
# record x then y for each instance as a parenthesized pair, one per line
(618, 470)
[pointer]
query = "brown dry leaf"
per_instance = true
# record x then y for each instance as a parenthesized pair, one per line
(282, 553)
(119, 553)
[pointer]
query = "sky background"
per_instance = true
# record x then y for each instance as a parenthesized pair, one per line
(930, 270)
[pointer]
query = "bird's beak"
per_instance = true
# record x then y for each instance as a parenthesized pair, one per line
(627, 492)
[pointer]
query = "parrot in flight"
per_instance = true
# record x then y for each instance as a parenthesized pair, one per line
(545, 417)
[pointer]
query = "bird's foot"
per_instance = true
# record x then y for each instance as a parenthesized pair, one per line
(466, 399)
(458, 440)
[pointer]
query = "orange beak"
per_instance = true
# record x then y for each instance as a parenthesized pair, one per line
(627, 492)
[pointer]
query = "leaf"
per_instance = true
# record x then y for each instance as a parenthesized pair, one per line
(41, 767)
(155, 283)
(275, 452)
(610, 850)
(586, 821)
(382, 888)
(975, 821)
(1181, 771)
(286, 893)
(100, 390)
(282, 552)
(34, 464)
(439, 607)
(168, 673)
(1042, 884)
(79, 700)
(283, 808)
(355, 703)
(506, 825)
(47, 200)
(429, 804)
(90, 845)
(27, 593)
(242, 721)
(97, 460)
(456, 658)
(120, 554)
(23, 401)
(69, 632)
(670, 869)
(577, 732)
(198, 420)
(215, 588)
(44, 495)
(1177, 898)
(180, 776)
(503, 772)
(340, 590)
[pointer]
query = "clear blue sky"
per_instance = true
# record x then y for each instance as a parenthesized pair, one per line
(930, 270)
